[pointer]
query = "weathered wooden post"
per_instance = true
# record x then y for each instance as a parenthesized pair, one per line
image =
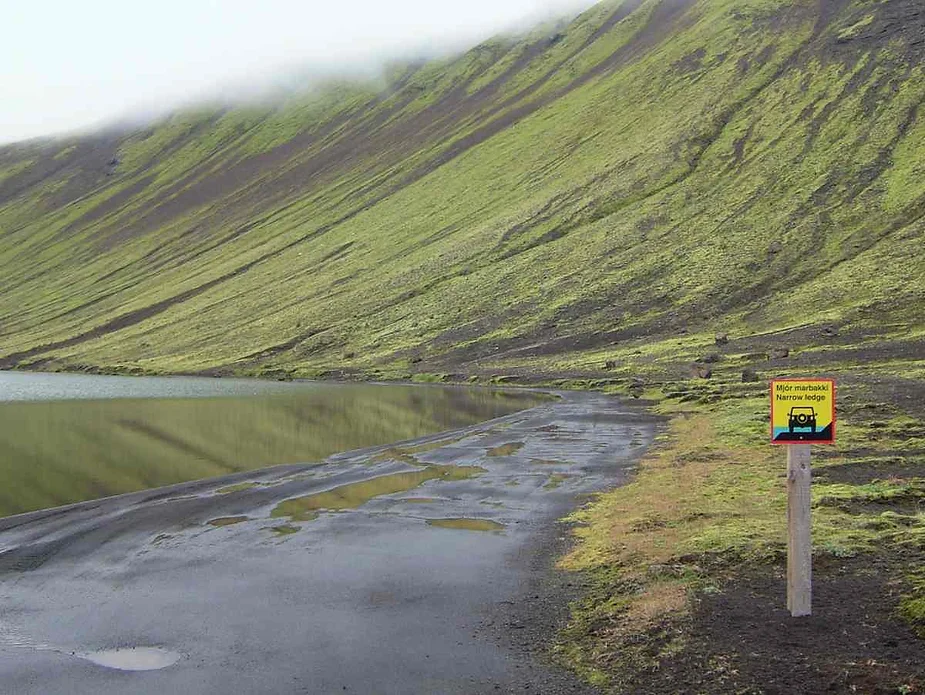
(802, 411)
(799, 532)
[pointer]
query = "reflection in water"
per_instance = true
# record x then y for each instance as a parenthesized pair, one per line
(506, 449)
(555, 480)
(240, 487)
(133, 659)
(284, 530)
(467, 524)
(59, 452)
(228, 521)
(357, 494)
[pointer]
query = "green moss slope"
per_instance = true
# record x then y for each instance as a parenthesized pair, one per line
(626, 184)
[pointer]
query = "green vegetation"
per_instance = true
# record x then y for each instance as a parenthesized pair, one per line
(707, 509)
(665, 199)
(577, 196)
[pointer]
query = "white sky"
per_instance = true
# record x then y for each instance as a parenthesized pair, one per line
(70, 64)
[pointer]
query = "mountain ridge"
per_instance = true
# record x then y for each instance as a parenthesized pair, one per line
(620, 188)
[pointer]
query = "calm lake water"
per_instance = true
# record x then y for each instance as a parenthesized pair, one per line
(67, 438)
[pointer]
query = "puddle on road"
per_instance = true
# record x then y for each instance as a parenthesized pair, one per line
(394, 454)
(240, 487)
(467, 524)
(432, 446)
(556, 481)
(420, 500)
(492, 503)
(506, 449)
(132, 659)
(284, 530)
(125, 659)
(409, 454)
(357, 494)
(228, 521)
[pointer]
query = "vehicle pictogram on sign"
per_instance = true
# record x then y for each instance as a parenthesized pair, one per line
(802, 416)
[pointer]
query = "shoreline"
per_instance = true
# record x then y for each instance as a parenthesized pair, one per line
(719, 574)
(525, 495)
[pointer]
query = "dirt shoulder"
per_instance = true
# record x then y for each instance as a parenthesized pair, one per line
(685, 567)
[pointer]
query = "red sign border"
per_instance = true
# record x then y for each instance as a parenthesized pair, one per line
(834, 412)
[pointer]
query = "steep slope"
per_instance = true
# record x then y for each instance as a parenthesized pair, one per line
(621, 187)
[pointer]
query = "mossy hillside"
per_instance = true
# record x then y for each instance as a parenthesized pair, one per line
(711, 166)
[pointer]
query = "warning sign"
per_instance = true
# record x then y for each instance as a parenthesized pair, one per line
(803, 411)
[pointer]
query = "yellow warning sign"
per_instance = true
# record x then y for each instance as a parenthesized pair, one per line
(803, 411)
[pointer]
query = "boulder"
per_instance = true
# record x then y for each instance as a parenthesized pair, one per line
(701, 371)
(749, 376)
(637, 387)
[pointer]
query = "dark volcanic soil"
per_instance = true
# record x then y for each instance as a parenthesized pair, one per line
(744, 641)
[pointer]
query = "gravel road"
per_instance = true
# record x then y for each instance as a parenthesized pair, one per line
(424, 567)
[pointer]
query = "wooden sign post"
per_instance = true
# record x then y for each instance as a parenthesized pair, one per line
(802, 411)
(799, 532)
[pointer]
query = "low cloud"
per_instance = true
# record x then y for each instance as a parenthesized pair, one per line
(77, 65)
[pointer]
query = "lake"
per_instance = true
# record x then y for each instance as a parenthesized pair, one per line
(67, 438)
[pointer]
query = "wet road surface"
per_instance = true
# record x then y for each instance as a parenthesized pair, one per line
(373, 572)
